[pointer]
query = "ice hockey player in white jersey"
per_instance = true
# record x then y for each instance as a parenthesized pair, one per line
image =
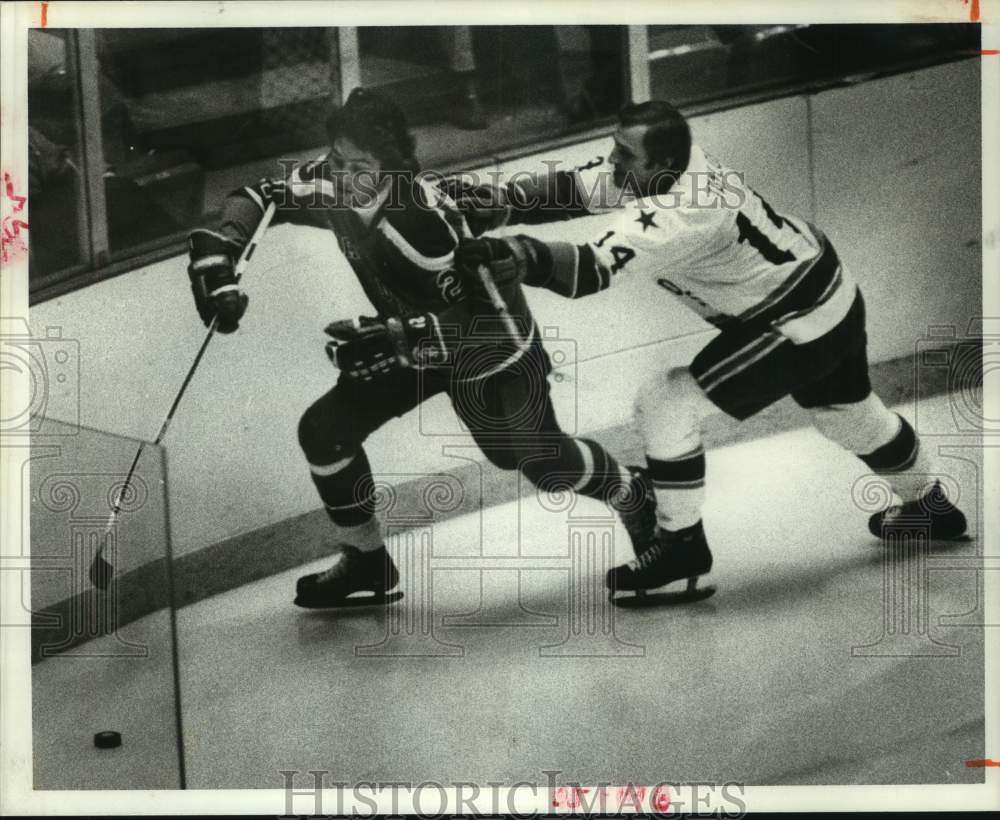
(792, 322)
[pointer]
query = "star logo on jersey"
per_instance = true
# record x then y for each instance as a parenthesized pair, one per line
(646, 220)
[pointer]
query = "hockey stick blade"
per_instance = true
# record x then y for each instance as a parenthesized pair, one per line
(101, 572)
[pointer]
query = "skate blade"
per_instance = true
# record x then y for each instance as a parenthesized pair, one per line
(353, 602)
(642, 599)
(942, 540)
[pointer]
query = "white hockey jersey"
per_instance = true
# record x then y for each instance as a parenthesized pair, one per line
(714, 243)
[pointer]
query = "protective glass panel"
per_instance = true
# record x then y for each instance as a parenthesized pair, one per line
(55, 184)
(103, 661)
(473, 91)
(690, 64)
(190, 114)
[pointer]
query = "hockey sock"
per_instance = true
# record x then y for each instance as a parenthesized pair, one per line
(579, 465)
(679, 485)
(601, 476)
(883, 440)
(904, 462)
(347, 489)
(366, 536)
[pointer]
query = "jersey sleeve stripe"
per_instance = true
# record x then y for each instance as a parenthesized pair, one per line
(565, 278)
(211, 261)
(450, 206)
(258, 200)
(438, 200)
(307, 181)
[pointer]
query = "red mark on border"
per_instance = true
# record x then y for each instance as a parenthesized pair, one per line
(981, 764)
(11, 240)
(990, 52)
(973, 10)
(569, 796)
(613, 798)
(45, 14)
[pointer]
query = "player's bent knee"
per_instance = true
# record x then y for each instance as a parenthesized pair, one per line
(322, 440)
(671, 397)
(859, 427)
(652, 394)
(310, 429)
(673, 387)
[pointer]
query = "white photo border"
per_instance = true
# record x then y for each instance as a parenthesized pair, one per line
(16, 793)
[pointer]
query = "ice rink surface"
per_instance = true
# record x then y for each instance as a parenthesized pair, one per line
(822, 659)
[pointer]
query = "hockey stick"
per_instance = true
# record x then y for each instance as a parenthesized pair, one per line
(499, 305)
(101, 570)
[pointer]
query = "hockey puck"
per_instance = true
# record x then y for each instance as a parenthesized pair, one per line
(107, 740)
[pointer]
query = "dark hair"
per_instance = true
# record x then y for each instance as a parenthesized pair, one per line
(377, 125)
(668, 139)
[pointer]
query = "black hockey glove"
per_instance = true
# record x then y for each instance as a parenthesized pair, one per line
(276, 190)
(366, 348)
(213, 279)
(496, 255)
(484, 207)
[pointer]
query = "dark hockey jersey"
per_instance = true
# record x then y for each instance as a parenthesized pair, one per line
(401, 249)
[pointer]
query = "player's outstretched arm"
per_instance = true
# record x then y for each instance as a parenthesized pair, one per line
(298, 199)
(562, 267)
(213, 253)
(526, 199)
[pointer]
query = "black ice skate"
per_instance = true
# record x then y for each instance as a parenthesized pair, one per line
(933, 514)
(372, 574)
(672, 557)
(637, 510)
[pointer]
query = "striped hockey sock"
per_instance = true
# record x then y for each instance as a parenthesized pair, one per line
(904, 462)
(348, 493)
(679, 484)
(601, 476)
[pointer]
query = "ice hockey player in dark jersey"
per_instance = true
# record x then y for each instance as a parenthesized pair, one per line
(791, 317)
(433, 333)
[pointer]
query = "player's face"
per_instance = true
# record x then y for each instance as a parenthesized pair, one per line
(356, 171)
(629, 161)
